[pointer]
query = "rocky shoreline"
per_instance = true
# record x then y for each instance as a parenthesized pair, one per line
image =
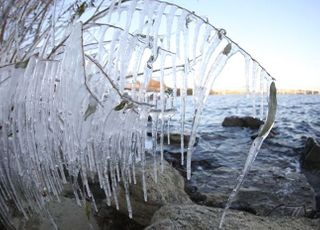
(271, 198)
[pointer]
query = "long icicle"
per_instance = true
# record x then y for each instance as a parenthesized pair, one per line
(255, 147)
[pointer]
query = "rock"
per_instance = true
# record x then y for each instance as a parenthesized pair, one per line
(310, 162)
(175, 139)
(109, 218)
(168, 190)
(314, 180)
(264, 192)
(310, 158)
(66, 214)
(203, 218)
(247, 122)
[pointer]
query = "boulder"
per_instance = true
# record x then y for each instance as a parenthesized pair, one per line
(169, 189)
(66, 215)
(246, 122)
(310, 162)
(175, 139)
(265, 192)
(310, 158)
(203, 218)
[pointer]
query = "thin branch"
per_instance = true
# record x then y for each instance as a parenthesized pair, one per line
(217, 30)
(104, 74)
(84, 73)
(165, 68)
(58, 46)
(5, 79)
(122, 96)
(103, 12)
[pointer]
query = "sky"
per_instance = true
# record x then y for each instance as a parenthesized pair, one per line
(283, 35)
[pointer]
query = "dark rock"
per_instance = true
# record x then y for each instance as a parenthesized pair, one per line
(175, 139)
(313, 177)
(174, 158)
(310, 158)
(191, 217)
(271, 134)
(246, 122)
(265, 191)
(109, 218)
(66, 214)
(194, 194)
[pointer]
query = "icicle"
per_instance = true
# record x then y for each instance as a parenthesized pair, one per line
(155, 27)
(53, 23)
(163, 107)
(255, 147)
(111, 8)
(170, 17)
(183, 90)
(132, 7)
(262, 88)
(213, 73)
(248, 62)
(168, 131)
(254, 82)
(113, 184)
(154, 145)
(46, 127)
(196, 40)
(126, 187)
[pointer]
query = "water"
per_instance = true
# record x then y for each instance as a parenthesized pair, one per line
(297, 118)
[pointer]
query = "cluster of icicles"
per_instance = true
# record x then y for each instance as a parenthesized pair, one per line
(84, 111)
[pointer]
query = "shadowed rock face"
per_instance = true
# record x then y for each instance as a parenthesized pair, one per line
(169, 189)
(246, 122)
(266, 192)
(310, 163)
(310, 158)
(202, 218)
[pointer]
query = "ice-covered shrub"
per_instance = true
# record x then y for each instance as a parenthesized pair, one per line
(75, 100)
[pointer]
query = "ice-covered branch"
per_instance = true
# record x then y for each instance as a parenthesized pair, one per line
(77, 95)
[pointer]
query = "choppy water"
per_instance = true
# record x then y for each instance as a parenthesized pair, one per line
(298, 117)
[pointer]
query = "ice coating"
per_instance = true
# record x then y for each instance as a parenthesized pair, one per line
(255, 147)
(75, 103)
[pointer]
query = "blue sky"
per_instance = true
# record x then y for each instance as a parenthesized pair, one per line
(283, 35)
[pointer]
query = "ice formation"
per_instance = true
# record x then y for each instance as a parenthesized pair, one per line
(75, 100)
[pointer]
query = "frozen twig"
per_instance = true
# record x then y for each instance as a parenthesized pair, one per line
(122, 96)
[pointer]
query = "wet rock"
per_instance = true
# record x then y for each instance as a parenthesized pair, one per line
(246, 122)
(169, 189)
(265, 191)
(175, 139)
(313, 177)
(310, 162)
(174, 158)
(66, 215)
(310, 158)
(203, 218)
(109, 218)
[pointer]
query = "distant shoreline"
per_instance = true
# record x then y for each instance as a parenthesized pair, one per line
(239, 92)
(279, 91)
